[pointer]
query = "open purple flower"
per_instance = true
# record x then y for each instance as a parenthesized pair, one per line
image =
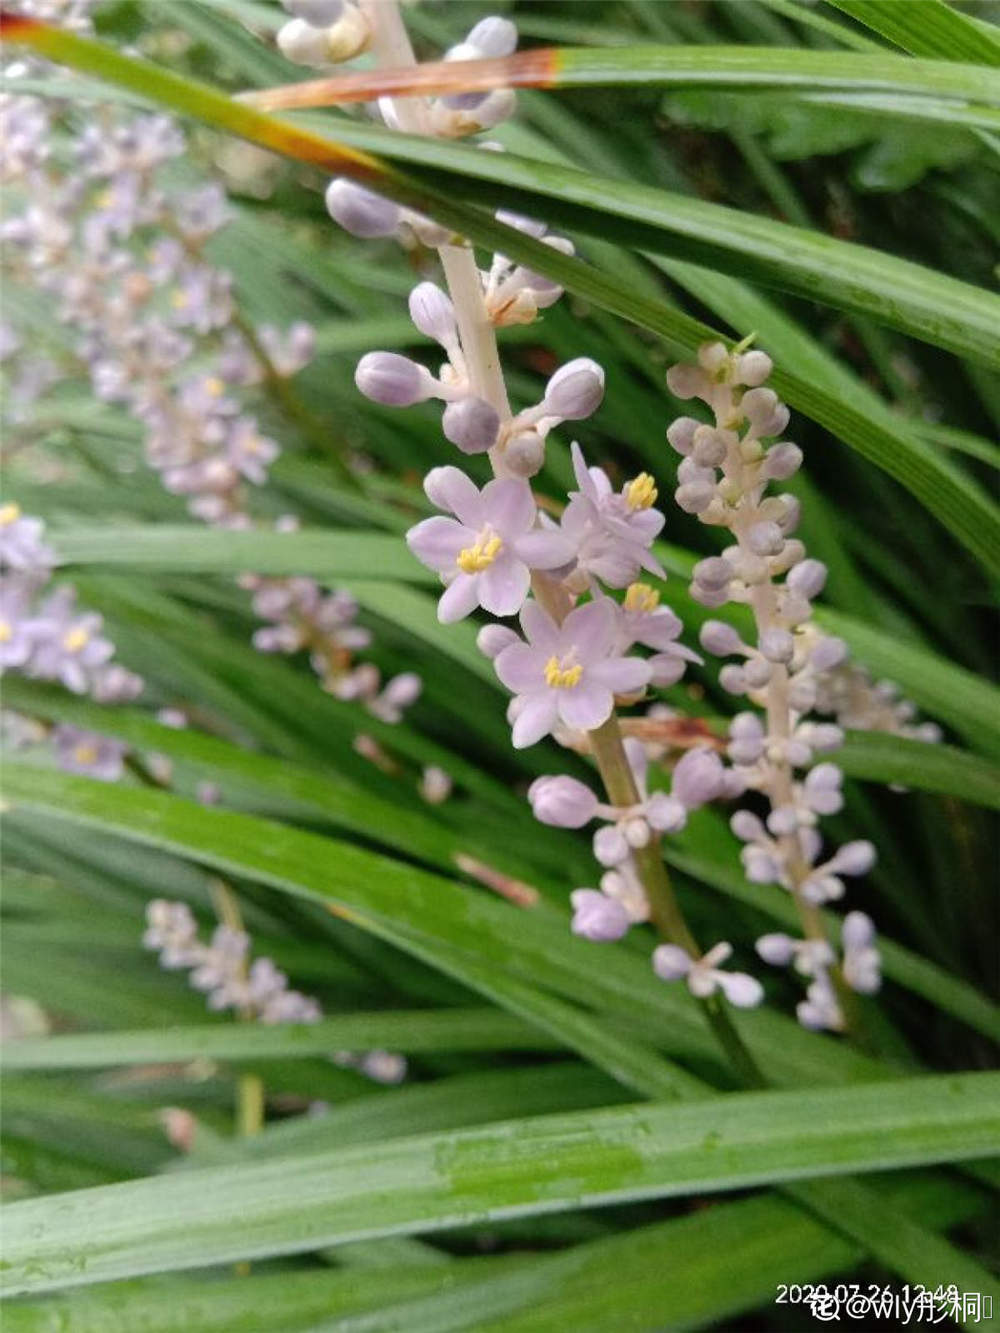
(612, 531)
(484, 554)
(566, 672)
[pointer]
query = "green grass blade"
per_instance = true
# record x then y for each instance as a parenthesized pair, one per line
(927, 28)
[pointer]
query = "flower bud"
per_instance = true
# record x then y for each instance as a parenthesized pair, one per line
(830, 652)
(720, 639)
(360, 211)
(747, 826)
(472, 424)
(777, 645)
(732, 679)
(403, 690)
(765, 539)
(759, 865)
(611, 846)
(686, 381)
(697, 778)
(822, 789)
(807, 579)
(317, 13)
(665, 813)
(708, 446)
(432, 312)
(781, 461)
(680, 434)
(301, 43)
(854, 858)
(671, 962)
(349, 36)
(858, 931)
(493, 639)
(597, 917)
(757, 672)
(524, 454)
(782, 820)
(753, 368)
(695, 497)
(392, 380)
(765, 411)
(713, 572)
(713, 357)
(575, 391)
(493, 37)
(561, 801)
(776, 949)
(666, 669)
(740, 989)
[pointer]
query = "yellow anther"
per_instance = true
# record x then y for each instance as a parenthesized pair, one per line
(641, 597)
(214, 386)
(76, 639)
(474, 559)
(641, 492)
(9, 513)
(179, 300)
(559, 677)
(6, 632)
(85, 753)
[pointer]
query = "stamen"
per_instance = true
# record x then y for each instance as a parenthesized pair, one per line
(75, 639)
(474, 559)
(641, 492)
(641, 597)
(558, 677)
(9, 513)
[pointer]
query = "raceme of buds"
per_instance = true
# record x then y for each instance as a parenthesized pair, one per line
(704, 977)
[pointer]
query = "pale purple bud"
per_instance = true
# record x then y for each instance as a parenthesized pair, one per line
(777, 645)
(757, 672)
(665, 813)
(472, 424)
(525, 453)
(671, 962)
(797, 753)
(686, 381)
(392, 380)
(303, 44)
(782, 461)
(822, 789)
(713, 357)
(828, 653)
(611, 847)
(708, 447)
(680, 434)
(740, 989)
(858, 931)
(318, 13)
(732, 679)
(765, 539)
(433, 313)
(776, 949)
(765, 411)
(747, 826)
(666, 669)
(637, 832)
(715, 636)
(403, 690)
(714, 573)
(575, 391)
(561, 801)
(801, 693)
(759, 865)
(493, 37)
(697, 778)
(807, 579)
(824, 736)
(753, 368)
(597, 917)
(694, 497)
(782, 820)
(493, 639)
(854, 858)
(361, 212)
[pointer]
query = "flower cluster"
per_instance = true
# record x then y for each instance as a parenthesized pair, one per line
(727, 466)
(257, 990)
(45, 635)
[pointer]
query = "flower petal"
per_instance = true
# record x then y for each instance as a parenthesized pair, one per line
(589, 629)
(545, 548)
(585, 706)
(437, 541)
(621, 675)
(459, 598)
(539, 628)
(504, 585)
(521, 667)
(509, 506)
(450, 488)
(535, 719)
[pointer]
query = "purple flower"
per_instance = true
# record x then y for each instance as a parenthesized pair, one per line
(249, 452)
(562, 801)
(17, 630)
(597, 917)
(486, 553)
(566, 672)
(21, 545)
(69, 646)
(612, 531)
(87, 753)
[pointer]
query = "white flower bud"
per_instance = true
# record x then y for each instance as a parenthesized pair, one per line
(597, 917)
(753, 368)
(301, 43)
(781, 461)
(433, 313)
(807, 579)
(708, 446)
(561, 801)
(670, 962)
(801, 694)
(759, 865)
(524, 454)
(680, 434)
(665, 813)
(713, 572)
(361, 212)
(493, 37)
(777, 645)
(686, 381)
(713, 357)
(695, 497)
(493, 639)
(830, 652)
(747, 826)
(740, 989)
(854, 858)
(765, 411)
(349, 36)
(393, 380)
(757, 672)
(782, 820)
(765, 539)
(575, 391)
(732, 679)
(776, 949)
(822, 789)
(472, 424)
(610, 845)
(720, 639)
(318, 13)
(697, 778)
